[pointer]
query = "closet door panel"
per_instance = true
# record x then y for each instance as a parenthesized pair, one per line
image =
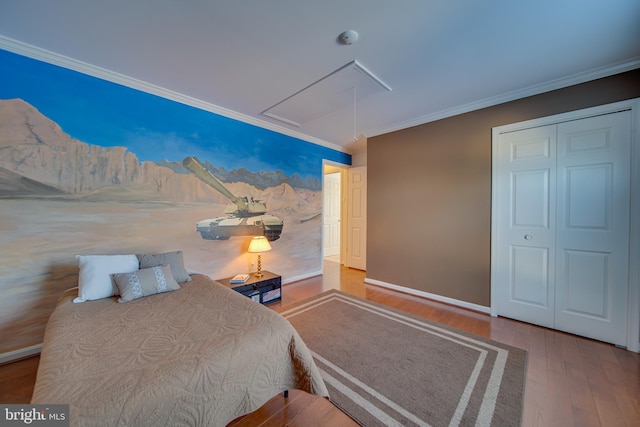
(526, 236)
(593, 226)
(586, 283)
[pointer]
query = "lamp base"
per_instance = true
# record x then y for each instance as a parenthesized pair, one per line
(259, 272)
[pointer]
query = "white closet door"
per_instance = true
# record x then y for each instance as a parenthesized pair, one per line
(562, 225)
(526, 234)
(592, 263)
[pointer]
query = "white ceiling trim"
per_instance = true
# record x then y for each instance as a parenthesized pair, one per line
(92, 70)
(34, 52)
(578, 78)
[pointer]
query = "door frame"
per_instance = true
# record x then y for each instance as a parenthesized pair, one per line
(633, 316)
(342, 168)
(352, 260)
(338, 174)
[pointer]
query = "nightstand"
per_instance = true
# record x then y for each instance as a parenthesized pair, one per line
(265, 289)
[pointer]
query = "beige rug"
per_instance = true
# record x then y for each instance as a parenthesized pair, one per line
(384, 367)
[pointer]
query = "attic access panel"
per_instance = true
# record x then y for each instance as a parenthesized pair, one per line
(351, 82)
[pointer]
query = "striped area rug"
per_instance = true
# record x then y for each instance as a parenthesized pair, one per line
(384, 367)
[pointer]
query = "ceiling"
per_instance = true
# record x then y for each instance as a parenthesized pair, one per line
(241, 58)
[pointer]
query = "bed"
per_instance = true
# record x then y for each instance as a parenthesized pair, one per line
(201, 355)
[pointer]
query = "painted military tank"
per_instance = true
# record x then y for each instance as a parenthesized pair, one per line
(245, 216)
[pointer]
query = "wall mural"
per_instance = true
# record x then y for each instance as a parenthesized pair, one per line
(92, 167)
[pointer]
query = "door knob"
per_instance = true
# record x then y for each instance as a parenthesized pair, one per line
(528, 237)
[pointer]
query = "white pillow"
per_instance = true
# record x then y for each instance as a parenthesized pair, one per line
(95, 280)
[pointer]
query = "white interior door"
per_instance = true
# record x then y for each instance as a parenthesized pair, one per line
(526, 235)
(331, 214)
(561, 204)
(594, 176)
(357, 218)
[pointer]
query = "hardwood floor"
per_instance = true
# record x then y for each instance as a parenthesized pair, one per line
(17, 380)
(570, 380)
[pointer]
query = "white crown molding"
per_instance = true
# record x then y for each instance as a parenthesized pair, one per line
(40, 54)
(92, 70)
(578, 78)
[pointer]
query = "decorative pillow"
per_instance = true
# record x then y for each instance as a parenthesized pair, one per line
(94, 281)
(172, 259)
(145, 282)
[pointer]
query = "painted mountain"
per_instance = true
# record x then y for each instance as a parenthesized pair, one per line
(38, 159)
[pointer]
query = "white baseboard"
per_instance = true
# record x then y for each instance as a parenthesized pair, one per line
(435, 297)
(301, 277)
(21, 353)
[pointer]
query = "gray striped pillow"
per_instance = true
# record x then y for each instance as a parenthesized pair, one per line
(145, 282)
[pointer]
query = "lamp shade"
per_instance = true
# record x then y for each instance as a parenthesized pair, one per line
(259, 244)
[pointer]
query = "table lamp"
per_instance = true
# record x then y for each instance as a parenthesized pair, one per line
(258, 245)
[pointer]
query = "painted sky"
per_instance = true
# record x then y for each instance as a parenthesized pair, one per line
(102, 113)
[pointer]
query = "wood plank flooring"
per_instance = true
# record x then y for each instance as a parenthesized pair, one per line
(571, 381)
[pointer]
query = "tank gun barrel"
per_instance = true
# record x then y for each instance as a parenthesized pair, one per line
(198, 169)
(247, 216)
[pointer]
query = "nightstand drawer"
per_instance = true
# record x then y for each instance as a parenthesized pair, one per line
(271, 292)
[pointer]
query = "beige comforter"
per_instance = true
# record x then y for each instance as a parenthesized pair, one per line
(199, 356)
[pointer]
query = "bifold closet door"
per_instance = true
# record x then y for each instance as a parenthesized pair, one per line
(592, 250)
(563, 226)
(526, 217)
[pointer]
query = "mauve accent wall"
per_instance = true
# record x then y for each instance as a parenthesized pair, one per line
(429, 191)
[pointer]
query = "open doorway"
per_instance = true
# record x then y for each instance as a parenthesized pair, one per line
(344, 230)
(332, 240)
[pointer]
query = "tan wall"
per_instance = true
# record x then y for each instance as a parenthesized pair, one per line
(429, 191)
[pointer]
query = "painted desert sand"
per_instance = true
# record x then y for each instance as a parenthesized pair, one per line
(39, 239)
